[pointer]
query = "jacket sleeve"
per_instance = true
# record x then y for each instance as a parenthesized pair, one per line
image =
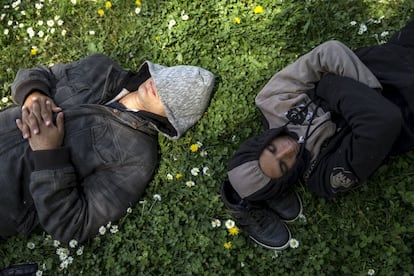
(287, 87)
(95, 74)
(29, 80)
(71, 208)
(374, 124)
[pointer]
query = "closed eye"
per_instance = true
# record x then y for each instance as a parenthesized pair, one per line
(271, 148)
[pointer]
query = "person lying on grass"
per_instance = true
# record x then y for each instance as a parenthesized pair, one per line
(331, 118)
(83, 145)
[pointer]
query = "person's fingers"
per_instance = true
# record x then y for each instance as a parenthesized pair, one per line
(46, 112)
(60, 122)
(28, 102)
(32, 118)
(56, 108)
(19, 124)
(24, 128)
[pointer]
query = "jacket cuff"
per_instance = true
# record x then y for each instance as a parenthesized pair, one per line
(51, 159)
(27, 87)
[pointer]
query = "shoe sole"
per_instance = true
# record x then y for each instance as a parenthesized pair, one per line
(282, 247)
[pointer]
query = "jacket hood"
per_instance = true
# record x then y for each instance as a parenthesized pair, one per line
(184, 91)
(248, 179)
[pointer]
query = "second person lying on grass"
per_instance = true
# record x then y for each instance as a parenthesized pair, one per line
(331, 118)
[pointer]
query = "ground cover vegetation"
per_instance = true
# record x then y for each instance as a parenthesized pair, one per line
(181, 227)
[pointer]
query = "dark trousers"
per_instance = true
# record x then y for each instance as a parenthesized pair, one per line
(393, 64)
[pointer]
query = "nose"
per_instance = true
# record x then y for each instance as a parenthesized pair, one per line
(288, 151)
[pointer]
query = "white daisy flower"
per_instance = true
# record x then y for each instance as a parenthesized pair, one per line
(62, 250)
(79, 251)
(294, 243)
(31, 245)
(215, 223)
(371, 272)
(230, 224)
(362, 29)
(157, 197)
(114, 229)
(129, 210)
(203, 153)
(63, 253)
(102, 230)
(137, 10)
(73, 243)
(353, 23)
(56, 243)
(302, 218)
(184, 16)
(50, 23)
(15, 4)
(63, 256)
(30, 32)
(190, 183)
(205, 171)
(195, 171)
(170, 176)
(171, 23)
(64, 264)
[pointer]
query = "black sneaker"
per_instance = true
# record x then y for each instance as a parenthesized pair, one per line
(262, 225)
(287, 206)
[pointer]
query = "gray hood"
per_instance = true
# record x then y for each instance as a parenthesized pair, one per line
(184, 91)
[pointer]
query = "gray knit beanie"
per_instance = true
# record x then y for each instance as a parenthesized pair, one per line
(184, 91)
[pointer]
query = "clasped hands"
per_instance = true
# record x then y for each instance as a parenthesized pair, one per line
(37, 123)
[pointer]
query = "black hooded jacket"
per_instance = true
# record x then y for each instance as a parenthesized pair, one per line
(372, 125)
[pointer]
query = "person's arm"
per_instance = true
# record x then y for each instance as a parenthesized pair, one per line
(374, 124)
(37, 79)
(72, 208)
(34, 85)
(287, 87)
(79, 82)
(87, 76)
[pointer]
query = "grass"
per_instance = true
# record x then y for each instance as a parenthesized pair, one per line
(170, 232)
